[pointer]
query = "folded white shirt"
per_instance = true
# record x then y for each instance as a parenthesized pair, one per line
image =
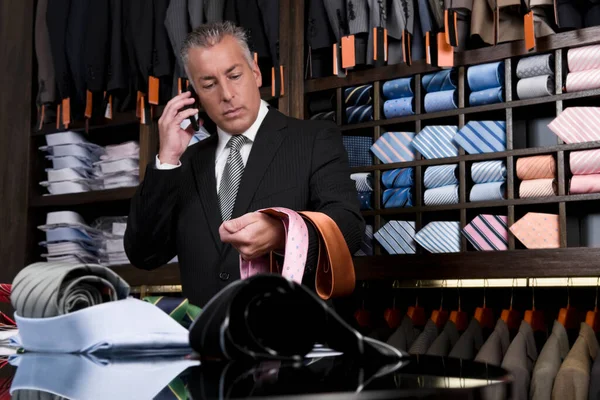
(68, 137)
(116, 166)
(70, 162)
(122, 150)
(69, 174)
(66, 187)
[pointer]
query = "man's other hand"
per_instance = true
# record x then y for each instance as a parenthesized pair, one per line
(253, 235)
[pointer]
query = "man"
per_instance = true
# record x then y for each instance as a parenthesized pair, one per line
(198, 203)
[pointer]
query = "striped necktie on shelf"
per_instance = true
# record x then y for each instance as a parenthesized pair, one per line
(577, 124)
(478, 137)
(443, 195)
(440, 237)
(393, 147)
(358, 95)
(366, 245)
(585, 162)
(488, 171)
(488, 191)
(436, 141)
(356, 114)
(363, 180)
(440, 175)
(397, 237)
(394, 198)
(398, 178)
(487, 232)
(537, 231)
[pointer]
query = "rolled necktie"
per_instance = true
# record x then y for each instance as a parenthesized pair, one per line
(488, 171)
(356, 114)
(583, 80)
(441, 80)
(581, 184)
(537, 188)
(397, 237)
(487, 232)
(440, 237)
(436, 141)
(584, 58)
(324, 116)
(537, 167)
(358, 95)
(44, 290)
(395, 198)
(487, 191)
(541, 64)
(486, 76)
(399, 107)
(441, 196)
(366, 200)
(366, 245)
(441, 101)
(357, 148)
(393, 147)
(537, 86)
(478, 137)
(397, 88)
(577, 124)
(487, 96)
(397, 178)
(585, 162)
(440, 175)
(363, 180)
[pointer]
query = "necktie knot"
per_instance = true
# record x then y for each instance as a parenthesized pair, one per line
(236, 142)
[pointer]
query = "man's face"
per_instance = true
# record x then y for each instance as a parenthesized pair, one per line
(226, 85)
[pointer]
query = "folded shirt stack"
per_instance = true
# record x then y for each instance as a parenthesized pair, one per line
(399, 95)
(441, 91)
(536, 76)
(486, 82)
(364, 189)
(112, 244)
(490, 180)
(398, 183)
(358, 103)
(119, 166)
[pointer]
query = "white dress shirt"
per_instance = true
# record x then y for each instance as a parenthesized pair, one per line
(223, 152)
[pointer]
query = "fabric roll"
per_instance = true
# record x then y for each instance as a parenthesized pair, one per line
(440, 175)
(583, 80)
(485, 76)
(394, 198)
(397, 178)
(439, 81)
(358, 95)
(399, 107)
(356, 114)
(366, 200)
(585, 162)
(363, 180)
(441, 101)
(324, 116)
(442, 195)
(537, 167)
(537, 188)
(541, 64)
(537, 86)
(584, 58)
(398, 88)
(357, 148)
(488, 191)
(581, 184)
(487, 96)
(488, 171)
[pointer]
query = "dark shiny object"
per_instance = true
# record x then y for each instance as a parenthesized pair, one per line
(224, 276)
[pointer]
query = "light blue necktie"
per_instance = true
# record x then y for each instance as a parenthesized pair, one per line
(478, 137)
(393, 147)
(365, 200)
(395, 198)
(487, 191)
(397, 178)
(363, 180)
(436, 141)
(441, 195)
(398, 88)
(366, 246)
(397, 237)
(440, 237)
(357, 148)
(356, 114)
(488, 171)
(486, 76)
(487, 96)
(440, 175)
(398, 107)
(358, 95)
(441, 101)
(438, 81)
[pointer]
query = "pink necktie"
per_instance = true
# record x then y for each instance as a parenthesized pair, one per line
(577, 124)
(537, 231)
(585, 162)
(585, 184)
(536, 167)
(537, 188)
(583, 80)
(487, 232)
(296, 247)
(584, 68)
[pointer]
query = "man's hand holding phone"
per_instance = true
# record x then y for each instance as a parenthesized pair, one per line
(173, 139)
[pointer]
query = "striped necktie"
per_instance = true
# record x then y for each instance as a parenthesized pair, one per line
(394, 198)
(440, 237)
(356, 114)
(486, 76)
(177, 308)
(488, 191)
(537, 167)
(363, 180)
(585, 162)
(398, 178)
(487, 232)
(441, 195)
(440, 175)
(537, 231)
(358, 95)
(397, 237)
(584, 68)
(232, 176)
(478, 137)
(581, 184)
(436, 141)
(537, 188)
(439, 81)
(393, 147)
(488, 171)
(577, 124)
(366, 245)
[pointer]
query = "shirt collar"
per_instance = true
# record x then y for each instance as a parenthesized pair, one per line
(250, 133)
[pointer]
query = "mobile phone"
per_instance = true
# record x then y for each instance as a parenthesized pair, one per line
(196, 104)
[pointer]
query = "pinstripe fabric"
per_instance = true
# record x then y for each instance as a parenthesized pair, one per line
(487, 232)
(478, 137)
(397, 178)
(537, 86)
(364, 181)
(537, 188)
(440, 175)
(585, 162)
(232, 175)
(488, 171)
(488, 191)
(213, 10)
(401, 16)
(44, 290)
(394, 147)
(584, 58)
(441, 195)
(441, 80)
(358, 16)
(536, 167)
(196, 13)
(577, 124)
(397, 237)
(356, 114)
(469, 343)
(425, 339)
(178, 27)
(440, 237)
(436, 141)
(394, 198)
(366, 246)
(583, 80)
(357, 148)
(358, 95)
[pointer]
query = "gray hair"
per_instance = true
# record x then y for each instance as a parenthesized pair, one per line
(210, 34)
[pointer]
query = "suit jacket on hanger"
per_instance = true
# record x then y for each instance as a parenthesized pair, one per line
(442, 345)
(248, 16)
(56, 18)
(162, 57)
(43, 52)
(118, 70)
(338, 18)
(546, 367)
(77, 25)
(357, 14)
(494, 348)
(213, 10)
(404, 336)
(178, 27)
(196, 13)
(469, 343)
(519, 360)
(463, 9)
(97, 45)
(320, 38)
(425, 339)
(141, 17)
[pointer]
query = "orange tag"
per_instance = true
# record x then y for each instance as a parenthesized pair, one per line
(282, 80)
(450, 27)
(88, 104)
(66, 112)
(42, 116)
(143, 109)
(385, 44)
(348, 52)
(138, 105)
(273, 81)
(335, 58)
(427, 48)
(153, 84)
(445, 52)
(108, 113)
(529, 31)
(375, 43)
(58, 116)
(179, 88)
(446, 27)
(406, 47)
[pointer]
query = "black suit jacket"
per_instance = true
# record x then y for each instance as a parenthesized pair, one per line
(301, 165)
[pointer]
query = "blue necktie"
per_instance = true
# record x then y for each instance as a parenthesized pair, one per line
(487, 191)
(398, 88)
(440, 175)
(482, 137)
(357, 148)
(486, 76)
(365, 200)
(438, 81)
(358, 95)
(395, 198)
(440, 237)
(356, 114)
(436, 141)
(488, 171)
(363, 180)
(397, 237)
(443, 195)
(487, 96)
(366, 246)
(398, 107)
(393, 147)
(397, 178)
(441, 101)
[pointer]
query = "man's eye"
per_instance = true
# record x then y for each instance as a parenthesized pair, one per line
(235, 77)
(210, 85)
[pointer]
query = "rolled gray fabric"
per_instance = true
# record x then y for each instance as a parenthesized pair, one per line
(44, 290)
(541, 64)
(537, 86)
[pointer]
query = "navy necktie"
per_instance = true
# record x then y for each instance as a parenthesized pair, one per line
(478, 137)
(394, 198)
(358, 95)
(357, 148)
(397, 178)
(356, 114)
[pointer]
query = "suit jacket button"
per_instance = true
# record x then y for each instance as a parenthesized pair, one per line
(224, 276)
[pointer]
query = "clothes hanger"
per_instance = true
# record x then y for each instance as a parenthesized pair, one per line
(568, 315)
(511, 317)
(416, 313)
(393, 316)
(484, 315)
(592, 318)
(459, 317)
(534, 317)
(362, 315)
(440, 317)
